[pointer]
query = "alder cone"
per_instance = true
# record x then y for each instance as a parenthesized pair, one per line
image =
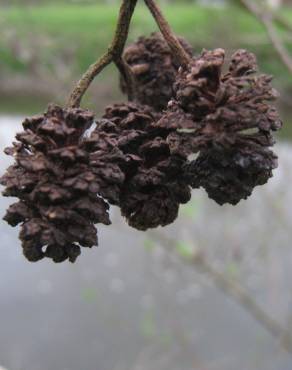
(57, 190)
(152, 191)
(216, 133)
(227, 120)
(231, 175)
(155, 69)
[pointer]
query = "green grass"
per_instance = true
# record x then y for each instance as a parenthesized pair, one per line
(197, 23)
(89, 28)
(81, 33)
(191, 20)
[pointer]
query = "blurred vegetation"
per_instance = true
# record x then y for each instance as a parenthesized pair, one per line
(88, 29)
(54, 38)
(69, 2)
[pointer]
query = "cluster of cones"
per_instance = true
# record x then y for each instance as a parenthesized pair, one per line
(190, 127)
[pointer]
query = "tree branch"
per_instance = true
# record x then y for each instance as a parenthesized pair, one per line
(175, 46)
(276, 17)
(282, 22)
(113, 53)
(128, 76)
(266, 20)
(233, 290)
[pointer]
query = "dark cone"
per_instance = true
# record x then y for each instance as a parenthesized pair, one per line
(57, 190)
(149, 209)
(230, 176)
(227, 120)
(152, 174)
(155, 69)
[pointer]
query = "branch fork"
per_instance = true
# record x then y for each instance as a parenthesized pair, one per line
(116, 48)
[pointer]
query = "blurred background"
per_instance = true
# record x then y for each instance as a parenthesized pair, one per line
(144, 301)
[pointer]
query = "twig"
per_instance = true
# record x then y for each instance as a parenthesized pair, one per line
(113, 53)
(128, 76)
(276, 17)
(277, 43)
(282, 22)
(235, 291)
(266, 20)
(175, 46)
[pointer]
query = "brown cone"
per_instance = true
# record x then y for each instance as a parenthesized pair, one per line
(57, 190)
(154, 68)
(152, 180)
(228, 120)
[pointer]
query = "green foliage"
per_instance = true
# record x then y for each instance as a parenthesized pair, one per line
(89, 29)
(232, 270)
(185, 250)
(78, 32)
(149, 245)
(9, 60)
(190, 210)
(89, 295)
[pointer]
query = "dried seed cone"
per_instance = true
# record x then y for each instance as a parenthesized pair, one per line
(228, 120)
(154, 68)
(231, 175)
(57, 190)
(152, 190)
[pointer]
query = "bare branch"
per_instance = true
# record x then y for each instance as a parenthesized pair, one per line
(266, 20)
(113, 53)
(275, 16)
(128, 76)
(235, 291)
(175, 46)
(282, 22)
